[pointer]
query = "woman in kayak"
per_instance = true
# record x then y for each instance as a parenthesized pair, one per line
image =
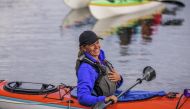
(97, 79)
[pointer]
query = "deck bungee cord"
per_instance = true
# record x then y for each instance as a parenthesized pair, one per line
(16, 87)
(62, 86)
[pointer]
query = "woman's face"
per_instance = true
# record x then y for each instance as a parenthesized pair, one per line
(93, 49)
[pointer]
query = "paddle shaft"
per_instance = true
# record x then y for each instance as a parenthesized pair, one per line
(148, 75)
(125, 91)
(175, 2)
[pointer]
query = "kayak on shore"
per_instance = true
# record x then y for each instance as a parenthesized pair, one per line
(27, 95)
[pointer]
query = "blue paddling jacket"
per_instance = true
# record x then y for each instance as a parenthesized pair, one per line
(87, 76)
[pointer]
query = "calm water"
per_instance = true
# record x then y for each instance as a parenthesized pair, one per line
(39, 43)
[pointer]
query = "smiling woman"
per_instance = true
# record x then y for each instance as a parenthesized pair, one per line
(87, 43)
(32, 44)
(97, 79)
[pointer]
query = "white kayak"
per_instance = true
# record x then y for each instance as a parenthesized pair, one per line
(76, 4)
(103, 9)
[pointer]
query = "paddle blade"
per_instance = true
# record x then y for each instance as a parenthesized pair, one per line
(149, 73)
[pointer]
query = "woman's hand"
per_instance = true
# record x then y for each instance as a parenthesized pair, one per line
(112, 98)
(114, 76)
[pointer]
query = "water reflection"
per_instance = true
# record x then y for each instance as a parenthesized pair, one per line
(8, 4)
(142, 26)
(171, 10)
(77, 18)
(128, 25)
(125, 34)
(172, 21)
(147, 28)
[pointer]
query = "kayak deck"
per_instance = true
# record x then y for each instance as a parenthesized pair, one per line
(103, 10)
(154, 103)
(63, 99)
(118, 2)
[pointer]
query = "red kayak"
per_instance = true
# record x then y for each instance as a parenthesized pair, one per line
(27, 95)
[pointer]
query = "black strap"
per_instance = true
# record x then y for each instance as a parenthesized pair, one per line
(100, 69)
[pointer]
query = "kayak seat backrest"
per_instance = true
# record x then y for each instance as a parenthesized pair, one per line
(30, 88)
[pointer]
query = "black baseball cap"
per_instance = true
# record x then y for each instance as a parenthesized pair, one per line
(88, 37)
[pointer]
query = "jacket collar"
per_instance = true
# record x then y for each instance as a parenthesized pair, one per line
(101, 56)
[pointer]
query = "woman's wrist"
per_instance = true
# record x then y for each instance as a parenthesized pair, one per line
(107, 99)
(112, 98)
